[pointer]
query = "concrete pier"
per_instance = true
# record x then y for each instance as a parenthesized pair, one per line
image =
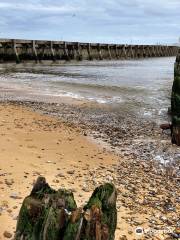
(22, 50)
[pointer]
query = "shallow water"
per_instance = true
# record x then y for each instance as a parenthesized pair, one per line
(139, 86)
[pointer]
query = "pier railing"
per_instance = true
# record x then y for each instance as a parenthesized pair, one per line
(21, 50)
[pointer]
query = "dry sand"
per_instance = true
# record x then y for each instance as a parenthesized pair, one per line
(31, 145)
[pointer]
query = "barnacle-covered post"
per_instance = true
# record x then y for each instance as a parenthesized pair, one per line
(175, 103)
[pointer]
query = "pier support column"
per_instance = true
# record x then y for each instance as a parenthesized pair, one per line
(15, 51)
(144, 54)
(66, 54)
(139, 51)
(148, 53)
(89, 52)
(165, 51)
(99, 51)
(127, 51)
(135, 51)
(79, 55)
(34, 50)
(169, 50)
(116, 51)
(173, 52)
(131, 54)
(109, 51)
(124, 52)
(73, 52)
(161, 51)
(52, 52)
(158, 51)
(142, 51)
(154, 51)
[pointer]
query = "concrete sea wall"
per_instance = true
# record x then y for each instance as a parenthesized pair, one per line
(22, 50)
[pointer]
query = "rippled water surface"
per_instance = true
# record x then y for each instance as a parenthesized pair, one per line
(142, 86)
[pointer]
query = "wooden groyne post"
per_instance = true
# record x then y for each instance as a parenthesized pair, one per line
(175, 103)
(49, 214)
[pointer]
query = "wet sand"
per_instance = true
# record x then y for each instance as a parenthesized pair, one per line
(34, 144)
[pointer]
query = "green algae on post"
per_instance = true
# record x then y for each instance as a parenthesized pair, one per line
(49, 214)
(175, 103)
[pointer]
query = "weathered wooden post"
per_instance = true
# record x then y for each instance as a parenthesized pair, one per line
(48, 214)
(175, 103)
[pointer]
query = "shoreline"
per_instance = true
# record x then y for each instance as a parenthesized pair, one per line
(147, 196)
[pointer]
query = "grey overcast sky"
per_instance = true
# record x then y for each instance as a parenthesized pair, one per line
(116, 21)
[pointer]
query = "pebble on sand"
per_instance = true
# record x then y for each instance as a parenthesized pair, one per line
(7, 234)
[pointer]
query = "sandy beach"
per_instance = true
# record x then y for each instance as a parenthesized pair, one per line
(34, 144)
(89, 120)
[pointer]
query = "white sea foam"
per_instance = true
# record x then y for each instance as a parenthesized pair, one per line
(147, 113)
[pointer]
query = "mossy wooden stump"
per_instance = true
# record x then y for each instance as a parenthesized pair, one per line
(175, 103)
(53, 215)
